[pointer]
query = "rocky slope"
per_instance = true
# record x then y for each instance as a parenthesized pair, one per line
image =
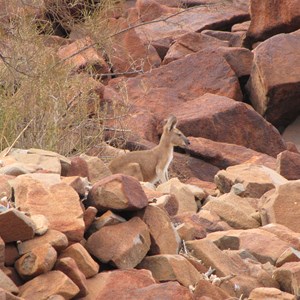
(227, 225)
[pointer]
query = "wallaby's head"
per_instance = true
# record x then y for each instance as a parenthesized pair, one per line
(174, 135)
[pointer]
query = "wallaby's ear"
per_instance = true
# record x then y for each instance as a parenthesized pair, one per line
(171, 122)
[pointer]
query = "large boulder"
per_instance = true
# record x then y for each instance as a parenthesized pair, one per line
(117, 192)
(58, 202)
(224, 155)
(124, 245)
(46, 285)
(274, 83)
(216, 117)
(155, 91)
(222, 16)
(271, 17)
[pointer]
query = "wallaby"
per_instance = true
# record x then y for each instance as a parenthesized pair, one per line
(152, 165)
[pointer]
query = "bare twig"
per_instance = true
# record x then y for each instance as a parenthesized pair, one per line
(17, 138)
(136, 26)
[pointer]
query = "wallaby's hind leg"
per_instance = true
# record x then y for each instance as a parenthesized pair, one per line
(134, 170)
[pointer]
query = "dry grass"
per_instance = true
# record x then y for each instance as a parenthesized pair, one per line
(59, 107)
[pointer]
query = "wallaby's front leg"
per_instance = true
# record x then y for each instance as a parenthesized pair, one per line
(162, 175)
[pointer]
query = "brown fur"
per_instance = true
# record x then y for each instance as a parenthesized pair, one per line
(152, 165)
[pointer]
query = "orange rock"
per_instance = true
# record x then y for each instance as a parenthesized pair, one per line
(68, 266)
(82, 258)
(164, 238)
(55, 238)
(39, 260)
(282, 206)
(167, 267)
(2, 252)
(204, 288)
(59, 203)
(117, 192)
(103, 284)
(268, 20)
(51, 283)
(124, 245)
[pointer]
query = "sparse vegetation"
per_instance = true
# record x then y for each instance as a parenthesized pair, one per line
(60, 109)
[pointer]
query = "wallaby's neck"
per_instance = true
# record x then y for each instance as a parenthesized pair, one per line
(165, 144)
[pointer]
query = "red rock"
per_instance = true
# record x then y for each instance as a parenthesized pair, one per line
(224, 155)
(59, 203)
(144, 90)
(117, 192)
(288, 165)
(79, 167)
(186, 166)
(38, 261)
(124, 245)
(193, 226)
(79, 59)
(55, 238)
(68, 266)
(212, 117)
(51, 283)
(190, 43)
(150, 9)
(189, 21)
(164, 238)
(84, 261)
(282, 206)
(171, 268)
(15, 225)
(11, 254)
(235, 39)
(269, 18)
(128, 52)
(240, 60)
(103, 284)
(274, 89)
